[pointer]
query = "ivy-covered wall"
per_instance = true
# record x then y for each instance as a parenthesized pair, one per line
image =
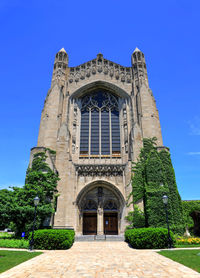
(153, 177)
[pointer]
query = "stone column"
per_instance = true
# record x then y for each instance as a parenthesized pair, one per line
(100, 221)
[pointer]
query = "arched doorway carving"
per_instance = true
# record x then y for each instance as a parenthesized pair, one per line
(101, 207)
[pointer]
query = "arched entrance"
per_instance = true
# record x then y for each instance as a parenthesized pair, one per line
(101, 208)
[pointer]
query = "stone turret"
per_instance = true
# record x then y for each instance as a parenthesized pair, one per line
(52, 112)
(60, 66)
(139, 67)
(147, 113)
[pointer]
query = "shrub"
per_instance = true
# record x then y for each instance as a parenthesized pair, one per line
(14, 243)
(53, 239)
(4, 235)
(136, 218)
(148, 238)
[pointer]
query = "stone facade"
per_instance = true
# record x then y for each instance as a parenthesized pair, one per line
(91, 186)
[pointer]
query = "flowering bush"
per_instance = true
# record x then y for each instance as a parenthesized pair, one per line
(187, 240)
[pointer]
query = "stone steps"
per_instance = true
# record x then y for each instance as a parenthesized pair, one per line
(99, 238)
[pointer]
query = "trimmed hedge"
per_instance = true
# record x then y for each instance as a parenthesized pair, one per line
(14, 243)
(53, 239)
(5, 235)
(148, 238)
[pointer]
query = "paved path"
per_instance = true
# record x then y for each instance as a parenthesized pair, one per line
(99, 260)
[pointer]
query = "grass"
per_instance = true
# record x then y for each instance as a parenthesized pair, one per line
(14, 243)
(9, 259)
(186, 245)
(188, 258)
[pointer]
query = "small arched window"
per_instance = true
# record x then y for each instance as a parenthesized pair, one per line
(100, 129)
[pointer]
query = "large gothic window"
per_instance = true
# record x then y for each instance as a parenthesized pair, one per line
(100, 129)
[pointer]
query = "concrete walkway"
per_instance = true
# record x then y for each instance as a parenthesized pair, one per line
(98, 260)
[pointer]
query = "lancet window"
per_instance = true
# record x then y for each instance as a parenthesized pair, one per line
(100, 129)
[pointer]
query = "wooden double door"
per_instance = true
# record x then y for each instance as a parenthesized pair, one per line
(110, 223)
(89, 223)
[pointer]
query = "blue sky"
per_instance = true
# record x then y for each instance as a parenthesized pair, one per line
(166, 31)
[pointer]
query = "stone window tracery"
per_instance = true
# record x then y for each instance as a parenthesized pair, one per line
(90, 205)
(110, 205)
(100, 129)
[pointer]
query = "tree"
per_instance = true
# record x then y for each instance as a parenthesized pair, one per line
(40, 181)
(6, 207)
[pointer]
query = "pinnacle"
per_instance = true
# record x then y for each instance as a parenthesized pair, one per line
(62, 50)
(99, 54)
(137, 50)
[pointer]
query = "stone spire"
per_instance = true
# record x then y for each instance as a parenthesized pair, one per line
(63, 50)
(139, 67)
(60, 65)
(136, 50)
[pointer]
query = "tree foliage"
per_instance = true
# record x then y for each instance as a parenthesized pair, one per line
(189, 209)
(153, 176)
(17, 205)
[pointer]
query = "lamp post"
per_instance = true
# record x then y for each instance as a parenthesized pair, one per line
(36, 202)
(165, 202)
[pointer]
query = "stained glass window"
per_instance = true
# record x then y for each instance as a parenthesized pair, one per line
(84, 132)
(100, 129)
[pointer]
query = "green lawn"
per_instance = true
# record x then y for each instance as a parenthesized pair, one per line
(9, 259)
(187, 246)
(188, 258)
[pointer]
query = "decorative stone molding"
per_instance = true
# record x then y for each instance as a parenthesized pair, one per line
(100, 66)
(74, 128)
(100, 169)
(125, 128)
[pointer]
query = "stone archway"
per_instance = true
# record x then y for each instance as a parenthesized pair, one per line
(100, 84)
(101, 206)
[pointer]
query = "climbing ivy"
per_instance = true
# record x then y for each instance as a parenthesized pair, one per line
(152, 177)
(174, 196)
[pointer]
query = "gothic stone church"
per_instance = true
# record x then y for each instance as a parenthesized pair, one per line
(95, 117)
